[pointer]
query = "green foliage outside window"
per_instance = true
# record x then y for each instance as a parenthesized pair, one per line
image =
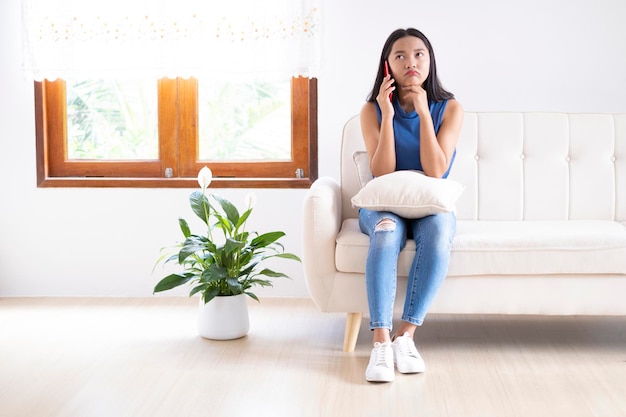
(118, 120)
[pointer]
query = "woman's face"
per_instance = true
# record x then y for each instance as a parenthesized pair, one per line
(409, 61)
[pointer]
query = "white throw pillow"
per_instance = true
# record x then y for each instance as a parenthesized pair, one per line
(409, 194)
(362, 162)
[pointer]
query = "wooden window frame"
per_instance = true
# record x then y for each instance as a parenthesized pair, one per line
(178, 145)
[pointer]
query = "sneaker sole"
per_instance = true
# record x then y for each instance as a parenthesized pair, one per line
(382, 379)
(411, 370)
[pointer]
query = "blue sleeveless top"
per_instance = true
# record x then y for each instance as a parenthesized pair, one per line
(406, 129)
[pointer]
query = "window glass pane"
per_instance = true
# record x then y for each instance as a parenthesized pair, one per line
(244, 120)
(112, 119)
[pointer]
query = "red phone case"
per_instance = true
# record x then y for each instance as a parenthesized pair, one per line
(386, 74)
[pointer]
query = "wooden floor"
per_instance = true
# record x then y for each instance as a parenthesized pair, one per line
(143, 357)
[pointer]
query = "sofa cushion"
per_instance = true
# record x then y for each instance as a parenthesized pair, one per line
(362, 163)
(509, 248)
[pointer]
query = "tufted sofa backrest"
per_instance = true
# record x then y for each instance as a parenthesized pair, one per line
(527, 166)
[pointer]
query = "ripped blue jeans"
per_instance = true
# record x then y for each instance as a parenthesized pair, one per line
(388, 234)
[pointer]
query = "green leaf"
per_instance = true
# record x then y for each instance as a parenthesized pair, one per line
(246, 272)
(214, 273)
(200, 205)
(172, 281)
(266, 239)
(288, 256)
(229, 209)
(234, 285)
(209, 246)
(210, 294)
(274, 274)
(198, 289)
(245, 259)
(253, 296)
(184, 227)
(243, 218)
(261, 282)
(225, 224)
(233, 245)
(171, 258)
(192, 245)
(242, 237)
(164, 258)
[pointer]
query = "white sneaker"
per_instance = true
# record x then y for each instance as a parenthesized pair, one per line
(380, 367)
(406, 356)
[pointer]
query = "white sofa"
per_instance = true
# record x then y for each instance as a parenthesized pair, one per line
(541, 223)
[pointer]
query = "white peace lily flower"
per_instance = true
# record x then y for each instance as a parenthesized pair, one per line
(204, 177)
(250, 200)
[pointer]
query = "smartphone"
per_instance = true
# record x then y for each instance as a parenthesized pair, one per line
(386, 74)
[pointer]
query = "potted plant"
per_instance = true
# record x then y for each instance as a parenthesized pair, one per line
(222, 264)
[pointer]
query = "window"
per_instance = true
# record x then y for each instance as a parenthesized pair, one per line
(86, 138)
(167, 144)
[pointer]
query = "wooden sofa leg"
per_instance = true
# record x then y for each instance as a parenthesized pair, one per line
(353, 324)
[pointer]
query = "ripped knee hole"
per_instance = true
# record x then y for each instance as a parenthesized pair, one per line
(385, 225)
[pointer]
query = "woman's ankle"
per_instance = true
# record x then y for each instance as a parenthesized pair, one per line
(381, 336)
(405, 328)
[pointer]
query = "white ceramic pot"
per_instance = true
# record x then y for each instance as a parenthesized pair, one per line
(224, 318)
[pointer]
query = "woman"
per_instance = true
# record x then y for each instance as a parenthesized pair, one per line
(410, 122)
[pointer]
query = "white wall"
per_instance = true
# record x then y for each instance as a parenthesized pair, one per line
(548, 55)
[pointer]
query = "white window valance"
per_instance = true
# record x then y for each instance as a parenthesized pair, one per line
(173, 38)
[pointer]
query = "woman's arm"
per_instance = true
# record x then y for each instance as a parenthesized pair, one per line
(379, 140)
(436, 151)
(379, 137)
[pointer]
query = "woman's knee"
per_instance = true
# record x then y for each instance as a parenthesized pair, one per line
(371, 222)
(388, 232)
(386, 224)
(438, 228)
(444, 223)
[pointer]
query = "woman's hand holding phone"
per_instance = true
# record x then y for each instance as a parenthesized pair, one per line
(387, 75)
(385, 93)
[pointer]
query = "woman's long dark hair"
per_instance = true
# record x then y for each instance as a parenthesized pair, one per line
(432, 85)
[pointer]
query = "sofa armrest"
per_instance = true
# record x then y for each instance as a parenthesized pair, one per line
(321, 222)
